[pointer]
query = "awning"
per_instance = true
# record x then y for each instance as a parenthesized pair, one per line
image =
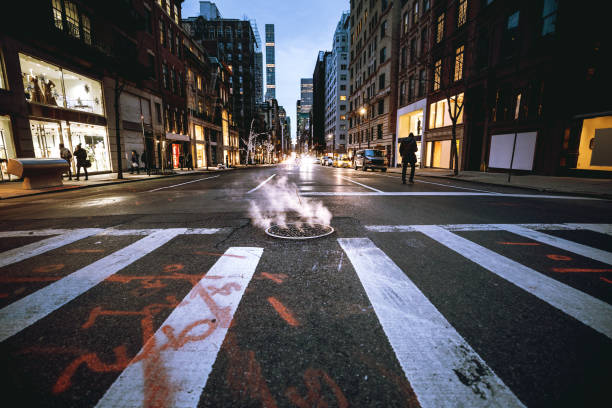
(174, 136)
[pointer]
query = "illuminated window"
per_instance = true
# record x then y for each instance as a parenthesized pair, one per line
(168, 7)
(199, 83)
(72, 19)
(437, 75)
(415, 12)
(462, 13)
(57, 14)
(343, 97)
(440, 28)
(459, 63)
(162, 32)
(176, 14)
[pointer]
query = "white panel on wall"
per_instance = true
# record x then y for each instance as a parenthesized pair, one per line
(500, 154)
(446, 153)
(130, 107)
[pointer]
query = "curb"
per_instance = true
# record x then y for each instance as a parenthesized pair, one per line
(603, 196)
(111, 183)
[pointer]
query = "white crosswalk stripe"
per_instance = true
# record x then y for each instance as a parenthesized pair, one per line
(430, 351)
(30, 309)
(585, 308)
(36, 248)
(593, 253)
(173, 367)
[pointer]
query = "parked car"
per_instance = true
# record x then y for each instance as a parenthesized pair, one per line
(342, 161)
(371, 159)
(317, 161)
(327, 161)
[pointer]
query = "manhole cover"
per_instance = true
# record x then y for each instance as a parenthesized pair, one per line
(299, 231)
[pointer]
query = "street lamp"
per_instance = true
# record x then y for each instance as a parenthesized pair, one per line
(363, 112)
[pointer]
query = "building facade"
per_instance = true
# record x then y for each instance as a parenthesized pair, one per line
(375, 30)
(318, 102)
(270, 62)
(337, 88)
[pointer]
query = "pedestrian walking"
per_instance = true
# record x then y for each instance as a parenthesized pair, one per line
(66, 155)
(81, 161)
(408, 149)
(189, 160)
(135, 164)
(145, 162)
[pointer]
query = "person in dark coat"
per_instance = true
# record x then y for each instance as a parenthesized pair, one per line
(144, 161)
(408, 149)
(81, 159)
(135, 165)
(189, 161)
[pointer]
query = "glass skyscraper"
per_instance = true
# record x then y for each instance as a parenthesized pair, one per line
(270, 63)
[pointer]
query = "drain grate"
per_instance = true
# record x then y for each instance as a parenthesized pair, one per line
(299, 231)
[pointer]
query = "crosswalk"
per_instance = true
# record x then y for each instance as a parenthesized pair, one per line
(173, 366)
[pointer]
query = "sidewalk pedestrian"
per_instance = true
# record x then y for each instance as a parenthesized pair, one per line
(408, 149)
(189, 160)
(135, 165)
(144, 161)
(81, 161)
(66, 155)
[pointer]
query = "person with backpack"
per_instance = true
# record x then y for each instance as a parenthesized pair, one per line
(408, 149)
(135, 164)
(66, 155)
(81, 161)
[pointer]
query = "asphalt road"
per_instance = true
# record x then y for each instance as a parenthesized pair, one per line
(439, 294)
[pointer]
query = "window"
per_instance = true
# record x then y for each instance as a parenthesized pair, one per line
(404, 57)
(379, 131)
(459, 63)
(422, 83)
(3, 83)
(383, 54)
(147, 22)
(510, 38)
(72, 19)
(199, 82)
(158, 112)
(461, 13)
(439, 113)
(415, 12)
(383, 29)
(57, 14)
(425, 5)
(410, 88)
(381, 82)
(381, 107)
(413, 50)
(549, 16)
(403, 93)
(423, 41)
(165, 76)
(343, 97)
(162, 32)
(86, 25)
(406, 22)
(176, 14)
(440, 28)
(437, 75)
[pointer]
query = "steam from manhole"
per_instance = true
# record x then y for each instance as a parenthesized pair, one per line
(299, 231)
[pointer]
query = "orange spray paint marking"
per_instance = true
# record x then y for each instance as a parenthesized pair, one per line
(283, 312)
(558, 257)
(49, 268)
(174, 268)
(315, 398)
(606, 280)
(586, 270)
(92, 361)
(277, 278)
(84, 251)
(520, 243)
(216, 254)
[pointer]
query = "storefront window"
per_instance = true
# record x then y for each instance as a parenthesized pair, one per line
(47, 136)
(438, 112)
(199, 133)
(50, 85)
(595, 151)
(7, 148)
(200, 151)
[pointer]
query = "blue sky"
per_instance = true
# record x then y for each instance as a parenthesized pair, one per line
(302, 29)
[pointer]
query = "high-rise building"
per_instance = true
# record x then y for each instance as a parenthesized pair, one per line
(337, 88)
(306, 94)
(270, 63)
(209, 10)
(373, 70)
(318, 101)
(259, 81)
(304, 111)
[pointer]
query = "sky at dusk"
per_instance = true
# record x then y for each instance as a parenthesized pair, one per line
(302, 28)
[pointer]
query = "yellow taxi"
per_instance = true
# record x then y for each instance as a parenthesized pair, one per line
(342, 161)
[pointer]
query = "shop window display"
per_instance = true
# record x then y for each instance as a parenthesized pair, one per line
(51, 85)
(46, 137)
(7, 149)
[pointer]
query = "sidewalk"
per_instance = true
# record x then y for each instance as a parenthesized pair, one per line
(13, 189)
(601, 188)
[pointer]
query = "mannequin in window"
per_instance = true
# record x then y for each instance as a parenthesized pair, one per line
(49, 88)
(36, 93)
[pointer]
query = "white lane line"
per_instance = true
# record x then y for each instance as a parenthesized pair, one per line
(359, 184)
(36, 248)
(182, 184)
(601, 228)
(173, 366)
(584, 250)
(441, 194)
(112, 232)
(585, 308)
(431, 352)
(261, 184)
(30, 309)
(471, 227)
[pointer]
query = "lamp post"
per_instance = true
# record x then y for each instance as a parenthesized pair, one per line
(364, 114)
